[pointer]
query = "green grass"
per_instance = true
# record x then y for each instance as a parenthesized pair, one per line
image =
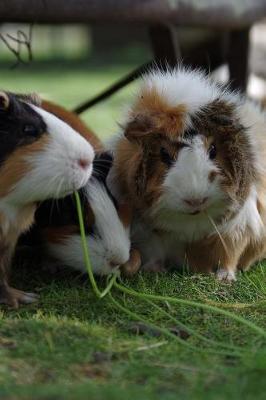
(71, 345)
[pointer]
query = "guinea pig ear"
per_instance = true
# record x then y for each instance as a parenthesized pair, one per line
(32, 98)
(4, 101)
(35, 99)
(138, 128)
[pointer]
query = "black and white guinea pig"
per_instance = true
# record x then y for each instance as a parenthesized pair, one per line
(191, 160)
(106, 224)
(41, 157)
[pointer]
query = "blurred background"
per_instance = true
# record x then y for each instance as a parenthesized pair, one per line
(72, 63)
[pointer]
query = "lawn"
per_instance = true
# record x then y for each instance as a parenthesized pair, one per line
(71, 345)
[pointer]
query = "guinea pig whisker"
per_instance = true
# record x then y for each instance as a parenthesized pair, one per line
(102, 166)
(96, 168)
(59, 187)
(99, 161)
(99, 173)
(218, 232)
(53, 201)
(51, 211)
(54, 178)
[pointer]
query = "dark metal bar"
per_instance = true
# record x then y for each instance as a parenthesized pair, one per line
(165, 46)
(207, 56)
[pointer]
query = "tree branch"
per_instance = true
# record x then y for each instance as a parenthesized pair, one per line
(20, 41)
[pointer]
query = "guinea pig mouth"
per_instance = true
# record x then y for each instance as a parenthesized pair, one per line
(195, 212)
(196, 206)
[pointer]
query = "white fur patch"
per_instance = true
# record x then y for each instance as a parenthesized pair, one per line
(252, 117)
(188, 179)
(181, 85)
(110, 244)
(70, 254)
(248, 218)
(55, 170)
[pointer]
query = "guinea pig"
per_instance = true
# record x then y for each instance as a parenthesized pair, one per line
(106, 226)
(191, 160)
(40, 157)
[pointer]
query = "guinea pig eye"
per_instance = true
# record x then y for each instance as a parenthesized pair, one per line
(30, 130)
(165, 157)
(212, 151)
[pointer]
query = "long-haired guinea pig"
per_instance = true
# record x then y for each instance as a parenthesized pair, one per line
(40, 157)
(106, 225)
(192, 160)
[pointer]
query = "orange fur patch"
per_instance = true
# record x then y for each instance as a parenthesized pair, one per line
(254, 252)
(127, 157)
(125, 214)
(212, 175)
(132, 266)
(165, 119)
(59, 234)
(208, 254)
(9, 233)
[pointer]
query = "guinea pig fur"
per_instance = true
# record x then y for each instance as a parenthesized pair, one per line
(192, 160)
(74, 121)
(106, 226)
(40, 157)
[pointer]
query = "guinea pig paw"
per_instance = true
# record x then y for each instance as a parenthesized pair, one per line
(132, 266)
(224, 275)
(27, 297)
(14, 297)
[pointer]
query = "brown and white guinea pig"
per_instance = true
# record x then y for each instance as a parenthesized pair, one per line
(40, 157)
(107, 227)
(192, 160)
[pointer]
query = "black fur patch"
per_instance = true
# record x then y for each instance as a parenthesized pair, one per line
(19, 125)
(101, 166)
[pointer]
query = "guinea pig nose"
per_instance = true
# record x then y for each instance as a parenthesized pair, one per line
(84, 163)
(192, 202)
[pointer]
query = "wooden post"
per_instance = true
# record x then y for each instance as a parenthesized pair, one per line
(237, 57)
(165, 45)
